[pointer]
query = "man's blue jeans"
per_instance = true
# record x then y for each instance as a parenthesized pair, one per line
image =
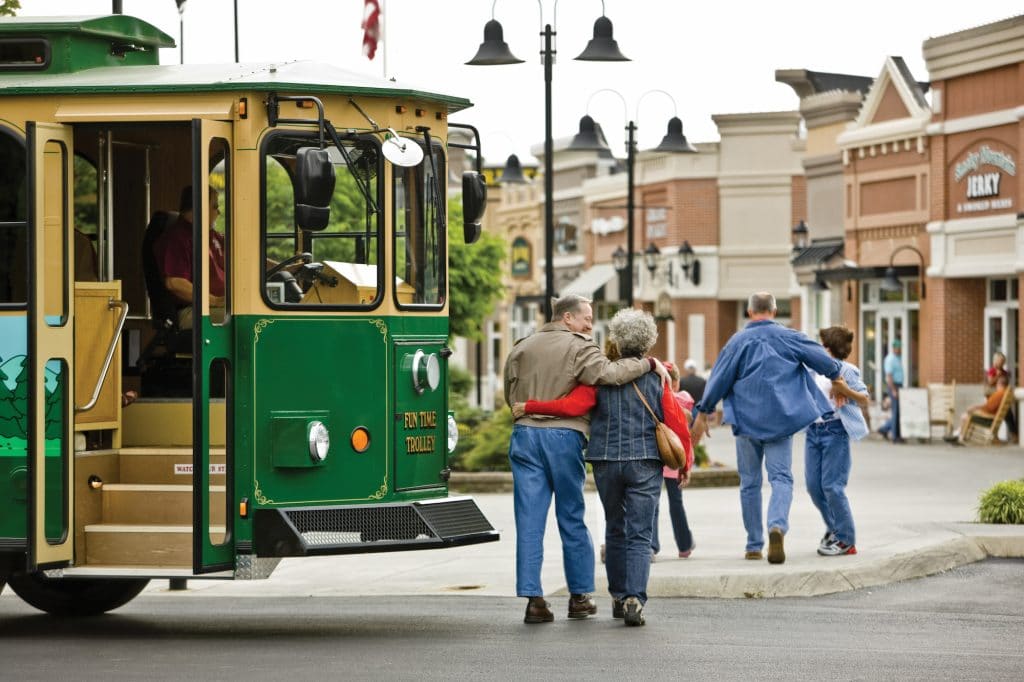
(777, 456)
(827, 471)
(630, 491)
(546, 461)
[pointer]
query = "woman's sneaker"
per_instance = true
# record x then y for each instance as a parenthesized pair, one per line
(829, 539)
(837, 548)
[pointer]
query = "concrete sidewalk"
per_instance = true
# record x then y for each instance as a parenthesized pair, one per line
(914, 506)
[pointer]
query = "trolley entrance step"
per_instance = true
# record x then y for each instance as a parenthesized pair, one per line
(165, 465)
(160, 504)
(141, 545)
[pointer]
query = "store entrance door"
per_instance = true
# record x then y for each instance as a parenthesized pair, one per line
(881, 326)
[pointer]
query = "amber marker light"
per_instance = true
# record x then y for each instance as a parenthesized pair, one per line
(360, 439)
(243, 107)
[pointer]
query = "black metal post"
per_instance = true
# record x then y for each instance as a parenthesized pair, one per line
(236, 31)
(630, 208)
(181, 36)
(549, 178)
(117, 7)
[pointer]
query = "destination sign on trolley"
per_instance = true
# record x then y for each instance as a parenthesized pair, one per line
(425, 420)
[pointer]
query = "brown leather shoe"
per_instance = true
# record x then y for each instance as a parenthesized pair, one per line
(776, 547)
(537, 611)
(581, 606)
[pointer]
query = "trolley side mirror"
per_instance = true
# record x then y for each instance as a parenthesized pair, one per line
(474, 203)
(314, 187)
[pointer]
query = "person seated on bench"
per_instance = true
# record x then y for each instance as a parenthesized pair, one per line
(174, 257)
(983, 413)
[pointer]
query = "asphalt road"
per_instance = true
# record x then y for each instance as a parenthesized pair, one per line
(965, 624)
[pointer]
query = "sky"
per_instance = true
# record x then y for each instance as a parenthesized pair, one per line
(711, 58)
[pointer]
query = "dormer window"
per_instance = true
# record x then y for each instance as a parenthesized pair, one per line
(24, 54)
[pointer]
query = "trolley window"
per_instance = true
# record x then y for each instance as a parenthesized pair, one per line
(420, 231)
(13, 222)
(335, 267)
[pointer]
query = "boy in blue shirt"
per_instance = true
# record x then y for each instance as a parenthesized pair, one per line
(827, 450)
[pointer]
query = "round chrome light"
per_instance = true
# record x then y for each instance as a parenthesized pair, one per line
(453, 434)
(426, 371)
(319, 440)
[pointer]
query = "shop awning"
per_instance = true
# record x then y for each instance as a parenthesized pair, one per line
(876, 272)
(592, 279)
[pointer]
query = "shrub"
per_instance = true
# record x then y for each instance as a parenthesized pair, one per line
(700, 456)
(487, 446)
(1002, 503)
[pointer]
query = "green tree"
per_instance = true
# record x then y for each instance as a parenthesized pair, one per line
(9, 7)
(474, 276)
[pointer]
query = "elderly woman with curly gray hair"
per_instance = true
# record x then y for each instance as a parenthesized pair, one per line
(624, 455)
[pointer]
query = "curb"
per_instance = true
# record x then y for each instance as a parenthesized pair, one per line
(501, 481)
(917, 560)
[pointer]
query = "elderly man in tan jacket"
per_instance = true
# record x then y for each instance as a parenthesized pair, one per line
(546, 453)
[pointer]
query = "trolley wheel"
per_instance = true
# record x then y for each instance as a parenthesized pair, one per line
(75, 596)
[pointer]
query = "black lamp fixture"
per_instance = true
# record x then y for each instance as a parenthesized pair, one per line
(891, 281)
(651, 254)
(590, 138)
(819, 283)
(495, 51)
(674, 141)
(512, 174)
(619, 259)
(690, 264)
(801, 233)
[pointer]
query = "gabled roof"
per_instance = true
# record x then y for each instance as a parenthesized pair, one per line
(895, 108)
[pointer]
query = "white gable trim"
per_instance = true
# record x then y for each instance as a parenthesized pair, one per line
(862, 132)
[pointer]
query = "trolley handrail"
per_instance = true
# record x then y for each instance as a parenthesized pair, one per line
(111, 304)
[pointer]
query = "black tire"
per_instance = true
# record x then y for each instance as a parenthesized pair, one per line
(75, 596)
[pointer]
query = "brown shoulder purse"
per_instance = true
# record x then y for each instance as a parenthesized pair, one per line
(673, 455)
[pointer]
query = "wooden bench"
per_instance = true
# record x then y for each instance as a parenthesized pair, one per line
(942, 406)
(982, 430)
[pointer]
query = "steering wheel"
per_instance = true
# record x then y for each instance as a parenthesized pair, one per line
(305, 257)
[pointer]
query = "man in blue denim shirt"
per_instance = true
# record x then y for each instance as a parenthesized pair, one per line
(768, 396)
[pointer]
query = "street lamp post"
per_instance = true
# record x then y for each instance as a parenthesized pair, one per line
(495, 51)
(674, 142)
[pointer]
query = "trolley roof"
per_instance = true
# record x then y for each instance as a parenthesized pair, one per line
(307, 77)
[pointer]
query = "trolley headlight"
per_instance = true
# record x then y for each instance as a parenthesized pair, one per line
(319, 441)
(453, 434)
(426, 371)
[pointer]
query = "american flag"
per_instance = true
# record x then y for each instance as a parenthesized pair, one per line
(371, 27)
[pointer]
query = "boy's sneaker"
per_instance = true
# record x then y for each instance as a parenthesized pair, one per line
(829, 539)
(837, 548)
(634, 611)
(618, 609)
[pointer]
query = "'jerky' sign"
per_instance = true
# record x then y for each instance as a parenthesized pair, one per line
(981, 173)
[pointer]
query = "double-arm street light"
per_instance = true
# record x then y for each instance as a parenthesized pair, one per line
(495, 51)
(674, 142)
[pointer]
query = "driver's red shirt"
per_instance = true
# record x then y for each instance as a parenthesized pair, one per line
(174, 255)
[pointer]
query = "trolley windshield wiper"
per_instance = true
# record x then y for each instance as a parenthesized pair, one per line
(273, 118)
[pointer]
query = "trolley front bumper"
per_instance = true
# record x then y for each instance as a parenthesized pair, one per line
(315, 531)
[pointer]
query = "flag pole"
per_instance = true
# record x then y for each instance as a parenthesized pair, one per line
(384, 37)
